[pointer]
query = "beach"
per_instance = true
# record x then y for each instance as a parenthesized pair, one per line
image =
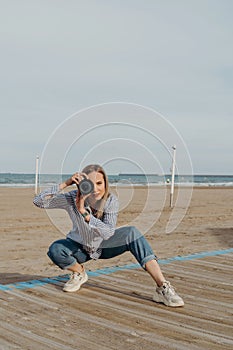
(27, 231)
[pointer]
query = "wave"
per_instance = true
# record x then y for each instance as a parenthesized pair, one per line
(28, 180)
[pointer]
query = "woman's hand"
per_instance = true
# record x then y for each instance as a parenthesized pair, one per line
(74, 179)
(77, 177)
(80, 199)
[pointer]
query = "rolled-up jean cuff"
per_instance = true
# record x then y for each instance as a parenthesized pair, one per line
(59, 264)
(146, 259)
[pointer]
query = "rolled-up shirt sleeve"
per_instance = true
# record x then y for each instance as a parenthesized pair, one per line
(107, 225)
(51, 198)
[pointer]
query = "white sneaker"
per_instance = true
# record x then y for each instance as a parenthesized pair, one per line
(166, 294)
(75, 281)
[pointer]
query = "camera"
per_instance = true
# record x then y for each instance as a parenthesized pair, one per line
(86, 186)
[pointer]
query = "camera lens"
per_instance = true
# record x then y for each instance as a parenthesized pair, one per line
(86, 186)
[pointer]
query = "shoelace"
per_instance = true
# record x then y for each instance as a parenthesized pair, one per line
(74, 275)
(169, 288)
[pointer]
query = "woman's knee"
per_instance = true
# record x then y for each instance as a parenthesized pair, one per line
(57, 249)
(128, 234)
(60, 254)
(134, 233)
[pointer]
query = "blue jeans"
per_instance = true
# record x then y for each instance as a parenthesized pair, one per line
(66, 252)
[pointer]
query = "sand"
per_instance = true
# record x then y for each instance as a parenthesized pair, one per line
(26, 233)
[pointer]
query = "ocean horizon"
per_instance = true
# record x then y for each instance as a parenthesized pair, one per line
(124, 179)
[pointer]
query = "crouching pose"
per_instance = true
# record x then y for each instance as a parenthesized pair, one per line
(94, 235)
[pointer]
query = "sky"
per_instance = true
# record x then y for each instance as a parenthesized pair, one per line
(60, 57)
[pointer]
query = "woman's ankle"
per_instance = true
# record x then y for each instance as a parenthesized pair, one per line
(77, 268)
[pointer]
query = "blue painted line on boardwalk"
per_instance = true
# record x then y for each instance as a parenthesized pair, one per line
(109, 270)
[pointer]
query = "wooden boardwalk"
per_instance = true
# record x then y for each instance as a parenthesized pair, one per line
(115, 311)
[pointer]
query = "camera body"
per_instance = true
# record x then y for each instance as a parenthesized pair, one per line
(86, 186)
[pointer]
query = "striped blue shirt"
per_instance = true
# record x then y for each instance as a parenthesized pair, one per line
(91, 234)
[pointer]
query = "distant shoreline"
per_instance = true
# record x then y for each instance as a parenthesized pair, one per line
(123, 180)
(167, 186)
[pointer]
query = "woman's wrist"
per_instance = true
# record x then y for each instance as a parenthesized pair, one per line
(62, 186)
(85, 214)
(66, 183)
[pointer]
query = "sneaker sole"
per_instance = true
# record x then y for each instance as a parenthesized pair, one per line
(75, 289)
(158, 300)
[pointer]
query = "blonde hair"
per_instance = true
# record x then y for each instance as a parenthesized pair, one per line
(100, 204)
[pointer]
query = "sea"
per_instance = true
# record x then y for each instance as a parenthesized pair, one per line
(28, 180)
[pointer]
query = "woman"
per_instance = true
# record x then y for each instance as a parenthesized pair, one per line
(94, 234)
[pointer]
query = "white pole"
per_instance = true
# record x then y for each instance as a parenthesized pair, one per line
(173, 175)
(36, 175)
